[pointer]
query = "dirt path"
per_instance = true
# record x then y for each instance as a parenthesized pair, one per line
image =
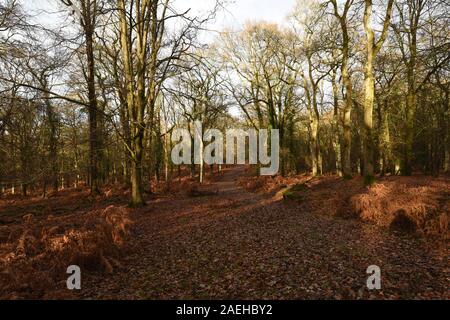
(240, 245)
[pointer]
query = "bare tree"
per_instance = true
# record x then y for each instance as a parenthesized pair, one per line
(149, 54)
(373, 46)
(346, 77)
(87, 12)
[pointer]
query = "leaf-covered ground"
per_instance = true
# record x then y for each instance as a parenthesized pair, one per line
(235, 244)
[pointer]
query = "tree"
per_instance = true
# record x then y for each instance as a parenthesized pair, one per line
(199, 93)
(346, 77)
(316, 57)
(262, 60)
(373, 46)
(149, 53)
(87, 12)
(408, 29)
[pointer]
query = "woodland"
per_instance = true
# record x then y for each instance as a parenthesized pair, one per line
(92, 91)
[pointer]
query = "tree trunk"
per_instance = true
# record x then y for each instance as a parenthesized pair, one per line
(136, 184)
(346, 117)
(411, 99)
(53, 143)
(447, 141)
(336, 126)
(92, 108)
(369, 85)
(385, 142)
(406, 167)
(314, 155)
(447, 158)
(369, 94)
(135, 99)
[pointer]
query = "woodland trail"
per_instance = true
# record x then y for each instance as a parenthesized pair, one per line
(241, 245)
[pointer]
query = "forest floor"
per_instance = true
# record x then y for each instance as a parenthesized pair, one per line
(225, 242)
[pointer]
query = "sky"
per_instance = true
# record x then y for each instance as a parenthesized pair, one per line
(238, 12)
(235, 14)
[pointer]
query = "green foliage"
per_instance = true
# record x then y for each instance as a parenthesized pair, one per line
(295, 192)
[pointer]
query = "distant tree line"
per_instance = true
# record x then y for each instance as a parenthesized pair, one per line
(353, 86)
